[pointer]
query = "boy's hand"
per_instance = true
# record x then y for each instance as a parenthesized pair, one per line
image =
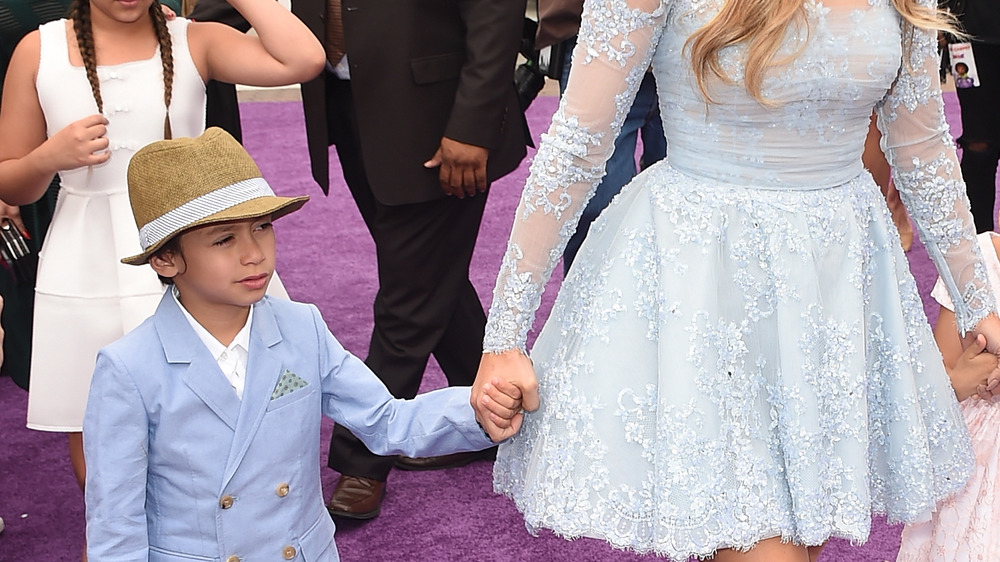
(974, 370)
(505, 383)
(503, 401)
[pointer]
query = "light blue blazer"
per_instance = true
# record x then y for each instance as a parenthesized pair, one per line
(180, 469)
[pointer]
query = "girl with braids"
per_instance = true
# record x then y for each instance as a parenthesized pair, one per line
(80, 97)
(738, 364)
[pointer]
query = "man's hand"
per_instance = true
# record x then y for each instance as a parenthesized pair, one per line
(505, 383)
(462, 167)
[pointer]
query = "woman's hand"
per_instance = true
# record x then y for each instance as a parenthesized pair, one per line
(505, 384)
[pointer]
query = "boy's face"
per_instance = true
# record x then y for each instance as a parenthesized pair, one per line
(221, 265)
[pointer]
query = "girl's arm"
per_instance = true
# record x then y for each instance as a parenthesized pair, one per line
(283, 52)
(967, 369)
(28, 160)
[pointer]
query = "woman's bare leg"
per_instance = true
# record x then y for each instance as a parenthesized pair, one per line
(767, 550)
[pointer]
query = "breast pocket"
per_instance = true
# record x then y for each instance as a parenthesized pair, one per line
(437, 68)
(292, 397)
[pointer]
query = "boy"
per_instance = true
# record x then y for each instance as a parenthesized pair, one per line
(202, 430)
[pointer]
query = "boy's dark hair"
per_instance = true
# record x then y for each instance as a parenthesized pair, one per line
(172, 246)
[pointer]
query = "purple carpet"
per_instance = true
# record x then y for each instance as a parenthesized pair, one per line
(326, 257)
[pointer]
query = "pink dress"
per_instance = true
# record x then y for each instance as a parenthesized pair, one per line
(966, 526)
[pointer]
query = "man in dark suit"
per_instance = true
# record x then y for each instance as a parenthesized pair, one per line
(424, 115)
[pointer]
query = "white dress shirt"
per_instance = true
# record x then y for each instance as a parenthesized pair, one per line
(232, 360)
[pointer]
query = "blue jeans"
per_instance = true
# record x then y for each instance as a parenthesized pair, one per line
(642, 119)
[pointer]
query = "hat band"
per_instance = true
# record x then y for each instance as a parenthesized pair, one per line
(201, 207)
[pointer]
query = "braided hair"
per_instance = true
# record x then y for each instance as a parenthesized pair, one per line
(80, 13)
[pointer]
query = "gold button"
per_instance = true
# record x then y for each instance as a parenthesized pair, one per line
(282, 490)
(233, 558)
(226, 502)
(288, 552)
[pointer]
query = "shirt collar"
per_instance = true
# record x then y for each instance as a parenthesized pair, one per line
(215, 347)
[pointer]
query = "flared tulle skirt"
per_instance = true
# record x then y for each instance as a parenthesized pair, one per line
(725, 364)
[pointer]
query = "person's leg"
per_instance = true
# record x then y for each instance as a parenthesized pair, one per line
(654, 141)
(76, 458)
(979, 168)
(769, 550)
(621, 168)
(980, 138)
(79, 468)
(424, 298)
(425, 303)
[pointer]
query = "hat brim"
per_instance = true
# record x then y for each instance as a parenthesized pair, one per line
(275, 206)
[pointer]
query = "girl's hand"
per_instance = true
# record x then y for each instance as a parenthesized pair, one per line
(81, 143)
(167, 12)
(13, 213)
(973, 369)
(989, 327)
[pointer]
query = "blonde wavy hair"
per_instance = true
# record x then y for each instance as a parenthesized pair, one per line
(761, 25)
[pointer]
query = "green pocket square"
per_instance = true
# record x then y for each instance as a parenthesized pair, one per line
(289, 383)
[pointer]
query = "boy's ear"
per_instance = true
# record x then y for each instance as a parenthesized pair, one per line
(167, 263)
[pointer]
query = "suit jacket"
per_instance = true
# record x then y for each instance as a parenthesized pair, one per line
(421, 70)
(558, 20)
(180, 469)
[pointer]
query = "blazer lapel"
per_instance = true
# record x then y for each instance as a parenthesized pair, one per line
(181, 346)
(264, 368)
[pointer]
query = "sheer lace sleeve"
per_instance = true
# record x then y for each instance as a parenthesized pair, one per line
(926, 171)
(614, 48)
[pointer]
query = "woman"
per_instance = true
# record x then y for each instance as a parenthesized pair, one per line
(738, 364)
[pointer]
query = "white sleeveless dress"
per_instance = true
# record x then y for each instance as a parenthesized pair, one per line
(739, 351)
(85, 298)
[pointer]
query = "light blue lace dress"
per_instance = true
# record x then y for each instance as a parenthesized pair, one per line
(739, 351)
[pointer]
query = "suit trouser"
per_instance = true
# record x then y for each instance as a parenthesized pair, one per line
(425, 302)
(981, 126)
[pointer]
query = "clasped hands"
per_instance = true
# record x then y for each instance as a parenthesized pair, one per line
(976, 372)
(505, 387)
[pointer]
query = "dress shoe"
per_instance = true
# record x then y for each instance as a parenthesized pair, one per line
(445, 461)
(356, 498)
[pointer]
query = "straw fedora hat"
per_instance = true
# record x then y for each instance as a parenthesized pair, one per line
(178, 184)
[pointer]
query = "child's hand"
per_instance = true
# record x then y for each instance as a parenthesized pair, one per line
(505, 383)
(969, 376)
(503, 401)
(167, 12)
(79, 144)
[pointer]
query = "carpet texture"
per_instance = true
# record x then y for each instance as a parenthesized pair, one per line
(326, 257)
